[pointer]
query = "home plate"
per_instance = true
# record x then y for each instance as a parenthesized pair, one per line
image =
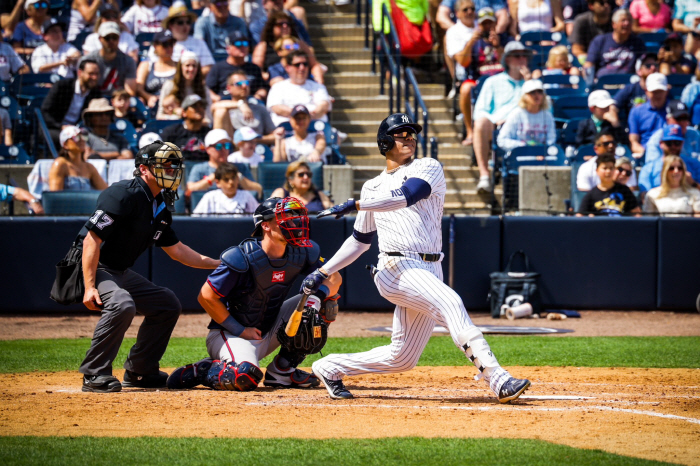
(493, 329)
(555, 397)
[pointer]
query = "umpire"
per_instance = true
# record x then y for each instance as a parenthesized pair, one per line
(131, 216)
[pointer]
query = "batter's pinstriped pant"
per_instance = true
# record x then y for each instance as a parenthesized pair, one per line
(422, 300)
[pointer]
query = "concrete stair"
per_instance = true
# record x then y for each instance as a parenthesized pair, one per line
(359, 107)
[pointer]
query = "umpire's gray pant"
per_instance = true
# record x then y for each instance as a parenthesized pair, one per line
(124, 294)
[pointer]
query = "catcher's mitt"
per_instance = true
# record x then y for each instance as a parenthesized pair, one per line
(311, 336)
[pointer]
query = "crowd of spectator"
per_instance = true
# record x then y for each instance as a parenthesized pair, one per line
(503, 85)
(226, 73)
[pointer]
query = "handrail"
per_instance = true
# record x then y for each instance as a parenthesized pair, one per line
(368, 15)
(390, 60)
(412, 111)
(45, 132)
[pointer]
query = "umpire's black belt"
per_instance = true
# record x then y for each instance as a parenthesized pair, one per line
(428, 257)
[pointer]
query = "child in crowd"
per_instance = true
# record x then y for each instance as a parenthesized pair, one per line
(171, 108)
(121, 101)
(228, 199)
(557, 64)
(608, 198)
(245, 139)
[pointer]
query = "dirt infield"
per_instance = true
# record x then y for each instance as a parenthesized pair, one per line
(645, 413)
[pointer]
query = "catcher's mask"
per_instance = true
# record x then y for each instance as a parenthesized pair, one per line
(165, 162)
(289, 214)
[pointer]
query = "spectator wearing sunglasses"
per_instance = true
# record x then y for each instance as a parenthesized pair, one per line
(215, 28)
(70, 171)
(28, 35)
(608, 198)
(127, 42)
(238, 49)
(202, 175)
(228, 200)
(117, 69)
(671, 144)
(179, 21)
(55, 55)
(300, 186)
(605, 144)
(676, 114)
(241, 111)
(283, 46)
(675, 196)
(298, 89)
(260, 16)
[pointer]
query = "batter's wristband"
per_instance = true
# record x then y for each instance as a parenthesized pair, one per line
(322, 293)
(232, 326)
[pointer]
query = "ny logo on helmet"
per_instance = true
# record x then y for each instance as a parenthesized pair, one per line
(405, 119)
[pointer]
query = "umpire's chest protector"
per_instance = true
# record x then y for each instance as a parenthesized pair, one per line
(258, 305)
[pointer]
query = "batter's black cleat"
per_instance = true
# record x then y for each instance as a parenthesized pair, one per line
(134, 380)
(189, 376)
(512, 389)
(101, 384)
(297, 378)
(336, 388)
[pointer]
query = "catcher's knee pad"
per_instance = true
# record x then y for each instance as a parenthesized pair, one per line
(477, 349)
(224, 375)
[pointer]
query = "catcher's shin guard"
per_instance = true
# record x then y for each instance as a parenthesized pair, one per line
(225, 375)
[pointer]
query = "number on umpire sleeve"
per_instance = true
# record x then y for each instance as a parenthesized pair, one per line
(101, 220)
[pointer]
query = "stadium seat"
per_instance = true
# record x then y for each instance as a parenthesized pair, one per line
(678, 83)
(537, 37)
(101, 167)
(568, 134)
(614, 82)
(69, 202)
(14, 155)
(143, 112)
(272, 175)
(157, 126)
(562, 81)
(334, 157)
(526, 156)
(195, 197)
(570, 107)
(540, 54)
(80, 39)
(28, 80)
(119, 169)
(125, 129)
(653, 40)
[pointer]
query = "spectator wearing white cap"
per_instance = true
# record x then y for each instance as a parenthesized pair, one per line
(218, 146)
(55, 55)
(676, 114)
(246, 140)
(530, 124)
(180, 21)
(603, 118)
(27, 35)
(302, 144)
(499, 96)
(148, 138)
(188, 80)
(228, 199)
(70, 171)
(127, 42)
(648, 117)
(117, 69)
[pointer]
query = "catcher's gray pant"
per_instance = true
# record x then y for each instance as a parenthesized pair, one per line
(224, 346)
(422, 299)
(124, 294)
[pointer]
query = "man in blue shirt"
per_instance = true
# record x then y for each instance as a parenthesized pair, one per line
(215, 28)
(617, 51)
(634, 93)
(645, 119)
(671, 144)
(676, 114)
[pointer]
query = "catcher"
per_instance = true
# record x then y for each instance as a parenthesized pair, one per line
(245, 298)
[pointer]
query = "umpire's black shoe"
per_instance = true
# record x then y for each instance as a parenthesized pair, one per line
(132, 379)
(512, 389)
(101, 384)
(336, 388)
(189, 376)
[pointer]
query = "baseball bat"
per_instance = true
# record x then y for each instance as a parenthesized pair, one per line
(295, 319)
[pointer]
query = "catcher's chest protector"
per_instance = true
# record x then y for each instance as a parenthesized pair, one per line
(272, 283)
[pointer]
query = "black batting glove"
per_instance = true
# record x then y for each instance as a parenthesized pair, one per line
(312, 282)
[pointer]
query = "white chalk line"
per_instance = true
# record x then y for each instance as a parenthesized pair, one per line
(485, 408)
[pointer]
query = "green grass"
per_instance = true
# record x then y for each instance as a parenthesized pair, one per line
(383, 452)
(653, 352)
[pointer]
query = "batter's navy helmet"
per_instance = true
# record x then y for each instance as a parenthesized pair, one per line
(391, 125)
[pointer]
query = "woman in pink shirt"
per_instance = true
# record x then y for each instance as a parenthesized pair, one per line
(650, 16)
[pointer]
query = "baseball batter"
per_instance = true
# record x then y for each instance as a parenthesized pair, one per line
(403, 206)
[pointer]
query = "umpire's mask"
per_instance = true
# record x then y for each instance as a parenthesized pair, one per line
(165, 161)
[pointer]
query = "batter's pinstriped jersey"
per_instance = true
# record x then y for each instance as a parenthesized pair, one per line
(417, 228)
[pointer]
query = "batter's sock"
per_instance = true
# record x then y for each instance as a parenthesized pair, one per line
(496, 377)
